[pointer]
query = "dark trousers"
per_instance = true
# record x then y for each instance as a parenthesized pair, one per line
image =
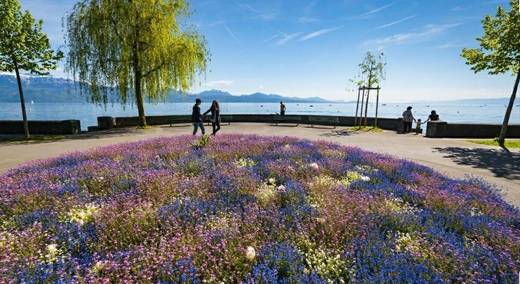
(196, 126)
(216, 127)
(407, 126)
(282, 112)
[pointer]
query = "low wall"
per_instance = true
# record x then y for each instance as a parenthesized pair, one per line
(441, 129)
(384, 123)
(42, 127)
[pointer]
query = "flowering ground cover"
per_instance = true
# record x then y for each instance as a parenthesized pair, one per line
(250, 209)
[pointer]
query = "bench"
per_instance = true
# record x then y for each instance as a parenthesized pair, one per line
(287, 119)
(324, 120)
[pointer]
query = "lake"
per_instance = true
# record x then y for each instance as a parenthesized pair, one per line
(88, 113)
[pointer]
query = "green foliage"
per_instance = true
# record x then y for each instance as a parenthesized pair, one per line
(511, 143)
(23, 45)
(136, 46)
(372, 70)
(202, 142)
(499, 50)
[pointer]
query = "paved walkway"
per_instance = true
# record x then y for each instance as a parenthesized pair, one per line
(456, 158)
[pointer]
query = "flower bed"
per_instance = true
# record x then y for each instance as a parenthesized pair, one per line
(252, 209)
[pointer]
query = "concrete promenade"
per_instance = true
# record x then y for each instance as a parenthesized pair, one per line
(453, 157)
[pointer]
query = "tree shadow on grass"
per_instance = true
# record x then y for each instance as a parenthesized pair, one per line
(500, 162)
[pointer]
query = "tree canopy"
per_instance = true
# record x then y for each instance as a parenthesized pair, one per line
(372, 69)
(499, 50)
(138, 46)
(24, 47)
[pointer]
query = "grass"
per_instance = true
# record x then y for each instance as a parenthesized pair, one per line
(365, 129)
(510, 143)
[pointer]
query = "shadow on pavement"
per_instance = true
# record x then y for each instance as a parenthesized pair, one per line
(501, 163)
(41, 139)
(338, 133)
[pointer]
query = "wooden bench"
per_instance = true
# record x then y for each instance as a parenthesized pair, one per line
(324, 120)
(286, 119)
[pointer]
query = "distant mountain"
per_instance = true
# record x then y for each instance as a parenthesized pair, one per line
(57, 90)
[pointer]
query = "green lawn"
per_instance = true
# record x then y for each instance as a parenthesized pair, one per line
(365, 129)
(510, 143)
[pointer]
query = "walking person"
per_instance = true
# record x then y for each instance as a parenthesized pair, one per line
(197, 119)
(282, 108)
(215, 116)
(408, 120)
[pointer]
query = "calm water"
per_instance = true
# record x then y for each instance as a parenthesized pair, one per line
(87, 113)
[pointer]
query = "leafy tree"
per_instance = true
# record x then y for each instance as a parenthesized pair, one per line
(372, 70)
(23, 47)
(499, 51)
(137, 46)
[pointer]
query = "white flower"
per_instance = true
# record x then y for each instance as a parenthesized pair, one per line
(250, 253)
(281, 188)
(314, 166)
(52, 253)
(365, 178)
(52, 248)
(320, 220)
(271, 181)
(98, 267)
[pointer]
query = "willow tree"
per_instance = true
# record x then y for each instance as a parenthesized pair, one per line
(499, 52)
(24, 47)
(136, 47)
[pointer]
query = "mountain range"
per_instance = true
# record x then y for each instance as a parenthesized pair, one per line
(58, 90)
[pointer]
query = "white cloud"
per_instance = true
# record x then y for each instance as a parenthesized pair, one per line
(395, 22)
(379, 9)
(319, 33)
(219, 83)
(449, 45)
(402, 38)
(285, 38)
(232, 34)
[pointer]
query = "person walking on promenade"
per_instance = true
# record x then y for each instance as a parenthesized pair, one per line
(433, 116)
(197, 119)
(215, 116)
(282, 108)
(408, 120)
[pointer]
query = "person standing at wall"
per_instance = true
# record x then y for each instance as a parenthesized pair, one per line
(408, 120)
(282, 108)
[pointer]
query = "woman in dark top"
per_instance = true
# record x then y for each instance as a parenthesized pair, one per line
(215, 116)
(433, 116)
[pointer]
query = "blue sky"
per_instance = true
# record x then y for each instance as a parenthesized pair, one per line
(306, 48)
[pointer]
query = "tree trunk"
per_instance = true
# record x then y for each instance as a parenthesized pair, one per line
(22, 102)
(377, 108)
(138, 87)
(362, 104)
(503, 131)
(366, 107)
(357, 106)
